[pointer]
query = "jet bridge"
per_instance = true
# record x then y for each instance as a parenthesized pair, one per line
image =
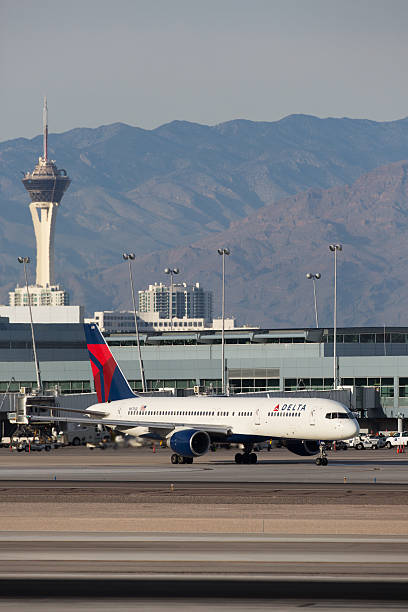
(31, 404)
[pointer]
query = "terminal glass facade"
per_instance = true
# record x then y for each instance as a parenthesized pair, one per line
(257, 360)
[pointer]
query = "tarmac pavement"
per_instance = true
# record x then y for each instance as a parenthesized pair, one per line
(127, 530)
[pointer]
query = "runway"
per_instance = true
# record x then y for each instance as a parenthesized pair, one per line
(106, 554)
(103, 564)
(198, 604)
(127, 530)
(142, 465)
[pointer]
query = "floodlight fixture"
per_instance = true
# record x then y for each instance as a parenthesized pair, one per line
(223, 251)
(334, 248)
(314, 277)
(130, 257)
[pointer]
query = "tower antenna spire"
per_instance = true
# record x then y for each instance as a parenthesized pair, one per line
(45, 128)
(46, 185)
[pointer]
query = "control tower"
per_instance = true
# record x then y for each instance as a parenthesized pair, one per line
(46, 185)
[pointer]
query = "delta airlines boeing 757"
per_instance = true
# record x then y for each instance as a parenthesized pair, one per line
(191, 424)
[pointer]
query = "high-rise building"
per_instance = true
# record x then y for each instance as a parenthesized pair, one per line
(187, 301)
(46, 185)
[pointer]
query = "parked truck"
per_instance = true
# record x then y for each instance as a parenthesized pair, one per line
(77, 434)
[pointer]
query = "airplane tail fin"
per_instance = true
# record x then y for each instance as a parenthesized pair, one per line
(110, 383)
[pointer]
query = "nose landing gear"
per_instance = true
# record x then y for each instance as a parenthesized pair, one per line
(322, 459)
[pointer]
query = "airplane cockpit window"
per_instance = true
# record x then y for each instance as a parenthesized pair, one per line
(337, 415)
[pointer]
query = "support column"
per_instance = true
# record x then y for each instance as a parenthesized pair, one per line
(44, 216)
(396, 396)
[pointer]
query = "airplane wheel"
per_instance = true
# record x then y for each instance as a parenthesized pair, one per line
(189, 460)
(318, 461)
(238, 458)
(253, 458)
(174, 458)
(324, 461)
(181, 459)
(245, 458)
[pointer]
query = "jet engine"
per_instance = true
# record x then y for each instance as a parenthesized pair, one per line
(190, 442)
(302, 447)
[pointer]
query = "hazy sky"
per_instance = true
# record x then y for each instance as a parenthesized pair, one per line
(147, 62)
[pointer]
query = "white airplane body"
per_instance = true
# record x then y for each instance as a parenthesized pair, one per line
(191, 424)
(266, 417)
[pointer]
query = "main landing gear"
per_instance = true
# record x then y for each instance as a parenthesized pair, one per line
(179, 459)
(322, 459)
(247, 457)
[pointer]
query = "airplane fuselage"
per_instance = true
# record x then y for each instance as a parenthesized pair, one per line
(274, 417)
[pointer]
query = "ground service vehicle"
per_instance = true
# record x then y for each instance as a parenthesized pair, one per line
(83, 434)
(364, 442)
(398, 439)
(377, 441)
(340, 445)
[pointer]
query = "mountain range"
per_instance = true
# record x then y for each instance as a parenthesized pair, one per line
(276, 193)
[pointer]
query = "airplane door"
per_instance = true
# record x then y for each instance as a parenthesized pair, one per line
(312, 417)
(257, 420)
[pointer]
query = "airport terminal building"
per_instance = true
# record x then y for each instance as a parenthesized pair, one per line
(373, 364)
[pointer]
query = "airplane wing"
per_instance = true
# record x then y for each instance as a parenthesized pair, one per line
(93, 412)
(163, 427)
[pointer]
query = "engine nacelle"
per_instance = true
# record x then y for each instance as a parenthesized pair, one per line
(190, 442)
(304, 448)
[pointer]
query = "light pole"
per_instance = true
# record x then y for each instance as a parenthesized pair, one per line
(223, 252)
(314, 278)
(171, 271)
(334, 248)
(129, 257)
(25, 261)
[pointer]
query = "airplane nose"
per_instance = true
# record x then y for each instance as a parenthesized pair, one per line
(354, 427)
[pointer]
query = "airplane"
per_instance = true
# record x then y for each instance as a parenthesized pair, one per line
(190, 425)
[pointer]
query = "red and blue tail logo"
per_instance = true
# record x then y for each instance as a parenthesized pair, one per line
(110, 384)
